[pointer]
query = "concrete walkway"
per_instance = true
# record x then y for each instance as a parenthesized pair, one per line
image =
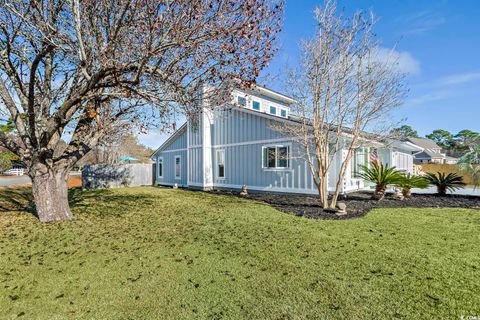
(465, 191)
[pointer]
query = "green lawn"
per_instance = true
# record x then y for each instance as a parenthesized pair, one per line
(150, 253)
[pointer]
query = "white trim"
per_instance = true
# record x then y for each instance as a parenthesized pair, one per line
(269, 92)
(270, 141)
(169, 139)
(179, 177)
(174, 150)
(188, 153)
(197, 184)
(277, 189)
(162, 183)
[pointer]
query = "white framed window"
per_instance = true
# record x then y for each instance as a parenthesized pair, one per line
(160, 167)
(178, 167)
(359, 159)
(256, 105)
(283, 113)
(242, 101)
(276, 157)
(273, 110)
(221, 164)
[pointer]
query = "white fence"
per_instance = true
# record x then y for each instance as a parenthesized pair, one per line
(15, 172)
(117, 175)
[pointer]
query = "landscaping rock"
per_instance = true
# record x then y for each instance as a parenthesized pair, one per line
(244, 191)
(358, 203)
(341, 208)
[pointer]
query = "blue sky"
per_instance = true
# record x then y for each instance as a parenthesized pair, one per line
(438, 44)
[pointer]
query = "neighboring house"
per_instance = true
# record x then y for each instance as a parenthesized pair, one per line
(238, 146)
(18, 169)
(431, 152)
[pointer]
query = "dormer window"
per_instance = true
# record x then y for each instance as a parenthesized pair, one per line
(283, 113)
(273, 110)
(256, 105)
(242, 101)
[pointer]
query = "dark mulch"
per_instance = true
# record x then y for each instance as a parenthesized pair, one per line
(358, 203)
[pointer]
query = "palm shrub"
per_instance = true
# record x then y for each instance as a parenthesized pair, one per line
(382, 176)
(409, 181)
(445, 182)
(470, 163)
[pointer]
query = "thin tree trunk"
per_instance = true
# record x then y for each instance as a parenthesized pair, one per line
(322, 192)
(50, 191)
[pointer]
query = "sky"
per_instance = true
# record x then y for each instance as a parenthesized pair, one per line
(438, 45)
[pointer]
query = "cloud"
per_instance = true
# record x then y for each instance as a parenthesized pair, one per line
(421, 22)
(429, 97)
(153, 139)
(405, 62)
(459, 78)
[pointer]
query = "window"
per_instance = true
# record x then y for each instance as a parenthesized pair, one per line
(359, 159)
(242, 101)
(273, 110)
(283, 113)
(221, 163)
(160, 168)
(178, 168)
(276, 157)
(256, 105)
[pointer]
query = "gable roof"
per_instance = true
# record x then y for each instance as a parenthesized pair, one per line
(424, 143)
(180, 130)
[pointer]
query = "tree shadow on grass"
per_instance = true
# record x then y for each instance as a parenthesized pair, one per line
(20, 199)
(17, 199)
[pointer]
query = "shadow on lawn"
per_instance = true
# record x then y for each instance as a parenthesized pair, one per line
(20, 199)
(17, 199)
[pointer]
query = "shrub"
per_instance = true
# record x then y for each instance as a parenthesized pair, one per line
(470, 164)
(409, 181)
(382, 176)
(445, 182)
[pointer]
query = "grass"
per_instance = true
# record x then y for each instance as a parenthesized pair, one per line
(150, 253)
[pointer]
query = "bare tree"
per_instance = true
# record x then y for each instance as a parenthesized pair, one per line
(345, 86)
(73, 69)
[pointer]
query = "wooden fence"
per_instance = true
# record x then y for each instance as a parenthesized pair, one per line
(117, 175)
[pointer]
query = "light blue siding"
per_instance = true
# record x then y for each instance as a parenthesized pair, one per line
(195, 133)
(176, 147)
(180, 142)
(238, 126)
(242, 135)
(195, 165)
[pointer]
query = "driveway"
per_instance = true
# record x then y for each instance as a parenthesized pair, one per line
(465, 191)
(7, 181)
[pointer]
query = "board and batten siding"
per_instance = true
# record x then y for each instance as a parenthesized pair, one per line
(242, 126)
(177, 147)
(168, 173)
(242, 135)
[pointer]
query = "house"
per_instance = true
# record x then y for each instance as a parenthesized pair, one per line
(231, 147)
(430, 153)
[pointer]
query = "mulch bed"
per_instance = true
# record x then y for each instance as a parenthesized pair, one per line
(358, 203)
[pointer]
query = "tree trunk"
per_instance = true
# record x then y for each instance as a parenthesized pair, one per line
(379, 192)
(323, 193)
(407, 192)
(441, 190)
(50, 192)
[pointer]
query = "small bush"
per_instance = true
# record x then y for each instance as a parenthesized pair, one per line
(382, 176)
(409, 181)
(445, 182)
